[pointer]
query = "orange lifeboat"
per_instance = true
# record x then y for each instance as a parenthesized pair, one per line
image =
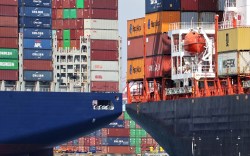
(194, 42)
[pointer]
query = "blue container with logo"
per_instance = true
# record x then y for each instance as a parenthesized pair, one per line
(37, 44)
(162, 5)
(34, 54)
(35, 3)
(116, 124)
(38, 75)
(36, 33)
(35, 12)
(115, 141)
(35, 22)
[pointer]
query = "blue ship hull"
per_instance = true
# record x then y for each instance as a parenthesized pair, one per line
(37, 121)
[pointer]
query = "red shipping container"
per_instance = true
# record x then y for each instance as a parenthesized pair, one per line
(73, 34)
(104, 45)
(59, 34)
(143, 140)
(135, 48)
(86, 149)
(92, 141)
(149, 141)
(98, 141)
(8, 21)
(8, 43)
(158, 66)
(54, 14)
(53, 3)
(9, 2)
(104, 149)
(158, 44)
(189, 5)
(99, 14)
(66, 4)
(86, 141)
(101, 4)
(79, 13)
(8, 32)
(58, 24)
(59, 3)
(72, 23)
(118, 132)
(72, 3)
(9, 75)
(66, 24)
(59, 13)
(8, 10)
(75, 44)
(121, 117)
(101, 55)
(79, 33)
(37, 65)
(121, 149)
(105, 86)
(127, 123)
(59, 43)
(207, 5)
(79, 24)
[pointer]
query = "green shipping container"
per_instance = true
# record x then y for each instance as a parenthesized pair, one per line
(132, 133)
(143, 133)
(132, 142)
(8, 53)
(79, 3)
(138, 150)
(66, 44)
(8, 64)
(66, 13)
(126, 116)
(138, 133)
(72, 13)
(132, 124)
(66, 34)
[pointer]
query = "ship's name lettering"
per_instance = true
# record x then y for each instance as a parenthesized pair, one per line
(7, 64)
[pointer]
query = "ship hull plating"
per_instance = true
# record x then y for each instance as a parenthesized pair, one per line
(37, 121)
(211, 126)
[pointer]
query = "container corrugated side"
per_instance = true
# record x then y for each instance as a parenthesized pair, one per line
(159, 22)
(158, 44)
(33, 54)
(37, 44)
(104, 45)
(208, 5)
(118, 132)
(38, 75)
(135, 47)
(101, 55)
(189, 17)
(8, 53)
(8, 42)
(234, 39)
(104, 76)
(37, 65)
(102, 34)
(36, 3)
(234, 63)
(35, 12)
(105, 86)
(104, 65)
(11, 75)
(9, 2)
(162, 5)
(36, 33)
(189, 5)
(135, 69)
(101, 4)
(100, 24)
(8, 32)
(8, 10)
(8, 21)
(7, 64)
(207, 17)
(135, 27)
(120, 149)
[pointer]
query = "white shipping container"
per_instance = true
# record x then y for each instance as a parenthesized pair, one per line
(229, 63)
(105, 65)
(102, 34)
(100, 24)
(207, 16)
(189, 17)
(243, 10)
(104, 76)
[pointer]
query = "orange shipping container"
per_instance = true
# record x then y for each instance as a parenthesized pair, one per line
(135, 69)
(159, 22)
(158, 66)
(135, 27)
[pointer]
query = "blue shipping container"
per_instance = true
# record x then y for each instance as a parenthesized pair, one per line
(116, 124)
(35, 12)
(37, 44)
(162, 5)
(115, 142)
(38, 75)
(35, 3)
(92, 149)
(36, 33)
(34, 22)
(33, 54)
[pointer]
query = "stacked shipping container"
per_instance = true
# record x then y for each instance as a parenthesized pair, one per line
(9, 40)
(122, 136)
(35, 24)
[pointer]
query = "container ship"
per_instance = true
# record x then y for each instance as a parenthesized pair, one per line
(59, 72)
(188, 76)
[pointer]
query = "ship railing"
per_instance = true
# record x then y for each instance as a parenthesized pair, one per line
(189, 25)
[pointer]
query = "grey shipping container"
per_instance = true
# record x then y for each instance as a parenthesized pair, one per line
(189, 17)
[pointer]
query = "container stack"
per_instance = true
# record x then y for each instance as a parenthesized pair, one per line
(101, 27)
(122, 136)
(35, 24)
(9, 40)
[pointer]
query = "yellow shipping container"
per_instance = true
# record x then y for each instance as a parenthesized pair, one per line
(135, 27)
(135, 69)
(235, 39)
(159, 22)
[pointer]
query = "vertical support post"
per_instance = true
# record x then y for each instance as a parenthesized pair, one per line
(219, 89)
(196, 89)
(229, 86)
(240, 88)
(156, 92)
(164, 96)
(129, 94)
(215, 44)
(207, 90)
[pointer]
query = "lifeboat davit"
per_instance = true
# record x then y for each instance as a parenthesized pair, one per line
(194, 42)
